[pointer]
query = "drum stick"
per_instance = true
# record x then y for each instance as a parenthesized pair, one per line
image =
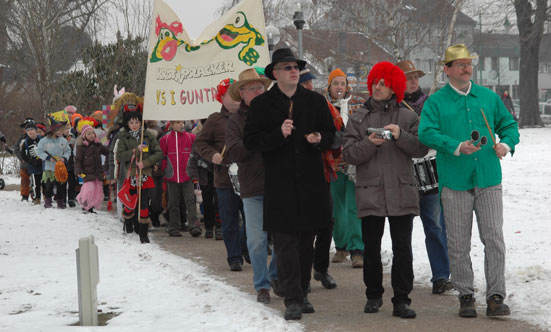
(290, 116)
(406, 104)
(223, 150)
(488, 125)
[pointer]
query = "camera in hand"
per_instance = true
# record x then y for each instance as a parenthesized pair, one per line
(380, 133)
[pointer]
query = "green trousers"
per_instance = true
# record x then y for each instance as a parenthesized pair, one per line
(347, 231)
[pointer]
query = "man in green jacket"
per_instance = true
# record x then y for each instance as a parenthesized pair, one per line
(470, 174)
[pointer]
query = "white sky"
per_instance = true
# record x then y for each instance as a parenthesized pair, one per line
(202, 14)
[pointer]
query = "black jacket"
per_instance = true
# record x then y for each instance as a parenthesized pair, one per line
(296, 195)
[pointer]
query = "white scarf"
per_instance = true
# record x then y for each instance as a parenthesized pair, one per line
(343, 105)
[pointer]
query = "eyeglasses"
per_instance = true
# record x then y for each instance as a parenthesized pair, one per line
(252, 89)
(288, 68)
(463, 65)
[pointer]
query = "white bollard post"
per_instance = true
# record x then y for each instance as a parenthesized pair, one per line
(88, 279)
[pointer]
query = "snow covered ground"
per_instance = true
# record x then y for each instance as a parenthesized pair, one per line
(151, 289)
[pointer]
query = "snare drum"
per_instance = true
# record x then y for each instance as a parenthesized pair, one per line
(232, 171)
(425, 173)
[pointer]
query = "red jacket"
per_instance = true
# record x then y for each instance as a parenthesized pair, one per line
(177, 148)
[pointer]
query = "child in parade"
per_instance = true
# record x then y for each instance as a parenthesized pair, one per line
(50, 149)
(176, 147)
(23, 170)
(88, 165)
(33, 162)
(127, 153)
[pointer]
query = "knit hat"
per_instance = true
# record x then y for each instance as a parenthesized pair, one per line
(305, 76)
(41, 126)
(84, 129)
(393, 76)
(335, 73)
(222, 88)
(70, 109)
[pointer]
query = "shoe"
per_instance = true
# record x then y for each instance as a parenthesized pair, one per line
(218, 234)
(246, 256)
(36, 201)
(441, 285)
(496, 307)
(307, 307)
(263, 296)
(106, 198)
(326, 280)
(128, 218)
(72, 203)
(91, 210)
(61, 204)
(339, 257)
(467, 307)
(372, 306)
(175, 233)
(24, 198)
(236, 267)
(293, 312)
(357, 261)
(209, 233)
(195, 231)
(276, 288)
(155, 220)
(403, 310)
(143, 228)
(48, 203)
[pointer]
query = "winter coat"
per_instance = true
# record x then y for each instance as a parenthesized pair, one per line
(70, 164)
(50, 148)
(296, 194)
(28, 154)
(18, 150)
(251, 167)
(109, 165)
(211, 140)
(127, 144)
(176, 148)
(415, 100)
(198, 168)
(88, 159)
(508, 102)
(385, 183)
(449, 118)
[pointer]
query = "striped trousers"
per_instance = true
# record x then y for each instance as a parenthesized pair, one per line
(487, 204)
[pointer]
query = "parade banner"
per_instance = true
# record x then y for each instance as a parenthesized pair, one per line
(182, 74)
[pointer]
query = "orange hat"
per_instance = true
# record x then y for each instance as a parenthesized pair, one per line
(73, 117)
(335, 73)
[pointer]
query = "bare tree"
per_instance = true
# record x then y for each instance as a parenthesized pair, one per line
(530, 22)
(34, 30)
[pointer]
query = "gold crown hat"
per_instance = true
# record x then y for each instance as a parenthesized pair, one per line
(408, 67)
(247, 76)
(457, 52)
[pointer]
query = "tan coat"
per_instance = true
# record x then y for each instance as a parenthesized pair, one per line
(385, 184)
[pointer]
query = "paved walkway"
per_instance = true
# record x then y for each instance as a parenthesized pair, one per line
(341, 309)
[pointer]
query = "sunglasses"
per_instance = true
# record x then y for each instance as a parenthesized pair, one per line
(475, 136)
(288, 68)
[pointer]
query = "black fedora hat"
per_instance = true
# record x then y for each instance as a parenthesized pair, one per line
(282, 55)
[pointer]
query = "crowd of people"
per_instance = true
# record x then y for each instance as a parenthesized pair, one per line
(282, 163)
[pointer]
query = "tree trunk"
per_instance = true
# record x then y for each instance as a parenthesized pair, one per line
(530, 35)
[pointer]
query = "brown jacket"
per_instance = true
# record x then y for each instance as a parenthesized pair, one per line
(88, 159)
(211, 140)
(251, 165)
(385, 184)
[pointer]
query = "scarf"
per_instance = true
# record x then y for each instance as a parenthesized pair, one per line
(330, 157)
(136, 134)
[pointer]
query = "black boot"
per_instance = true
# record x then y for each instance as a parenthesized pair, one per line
(128, 222)
(143, 229)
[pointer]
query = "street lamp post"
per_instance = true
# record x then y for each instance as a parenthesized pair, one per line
(300, 11)
(273, 38)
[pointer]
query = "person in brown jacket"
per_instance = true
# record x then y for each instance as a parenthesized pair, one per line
(210, 143)
(385, 184)
(251, 182)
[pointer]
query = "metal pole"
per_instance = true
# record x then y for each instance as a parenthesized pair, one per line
(300, 43)
(479, 50)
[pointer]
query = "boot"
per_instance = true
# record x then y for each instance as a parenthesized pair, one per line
(209, 233)
(36, 201)
(143, 228)
(218, 234)
(25, 198)
(128, 221)
(61, 204)
(155, 220)
(48, 202)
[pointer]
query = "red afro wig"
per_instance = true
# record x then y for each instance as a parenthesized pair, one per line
(222, 88)
(394, 78)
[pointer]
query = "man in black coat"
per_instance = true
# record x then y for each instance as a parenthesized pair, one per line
(291, 126)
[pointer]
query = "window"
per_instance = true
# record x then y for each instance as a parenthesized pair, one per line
(495, 63)
(513, 63)
(547, 67)
(431, 65)
(481, 63)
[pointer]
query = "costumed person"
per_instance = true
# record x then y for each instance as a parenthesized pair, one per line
(322, 244)
(347, 230)
(72, 180)
(41, 129)
(88, 166)
(54, 150)
(25, 186)
(33, 162)
(250, 175)
(508, 102)
(176, 147)
(291, 127)
(127, 153)
(385, 185)
(431, 214)
(210, 143)
(456, 121)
